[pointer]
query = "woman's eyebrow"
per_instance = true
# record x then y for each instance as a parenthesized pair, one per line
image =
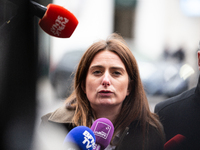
(96, 66)
(114, 67)
(119, 68)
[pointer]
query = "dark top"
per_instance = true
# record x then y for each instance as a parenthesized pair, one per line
(181, 115)
(132, 137)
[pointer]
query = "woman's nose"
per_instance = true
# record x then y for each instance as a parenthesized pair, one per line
(106, 79)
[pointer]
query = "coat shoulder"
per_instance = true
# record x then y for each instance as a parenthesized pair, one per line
(60, 115)
(183, 97)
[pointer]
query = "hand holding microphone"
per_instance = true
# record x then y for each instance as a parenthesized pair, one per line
(103, 130)
(55, 20)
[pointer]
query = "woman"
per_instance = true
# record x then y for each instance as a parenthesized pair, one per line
(107, 84)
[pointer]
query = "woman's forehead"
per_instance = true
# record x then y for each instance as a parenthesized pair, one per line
(107, 57)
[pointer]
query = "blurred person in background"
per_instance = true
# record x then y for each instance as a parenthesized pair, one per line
(181, 115)
(107, 84)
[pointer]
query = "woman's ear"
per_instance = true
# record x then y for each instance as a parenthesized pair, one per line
(83, 86)
(129, 87)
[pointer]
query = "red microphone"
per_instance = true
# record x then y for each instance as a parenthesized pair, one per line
(174, 142)
(55, 20)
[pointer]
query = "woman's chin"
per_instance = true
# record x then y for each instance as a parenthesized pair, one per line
(108, 104)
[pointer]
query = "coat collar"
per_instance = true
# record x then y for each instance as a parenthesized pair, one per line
(62, 115)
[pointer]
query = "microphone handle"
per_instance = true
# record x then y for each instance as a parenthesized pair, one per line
(38, 10)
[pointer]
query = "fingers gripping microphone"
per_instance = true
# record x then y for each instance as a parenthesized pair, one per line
(103, 130)
(55, 20)
(174, 142)
(80, 138)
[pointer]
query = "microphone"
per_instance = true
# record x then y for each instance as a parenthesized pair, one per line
(55, 20)
(103, 130)
(174, 142)
(80, 138)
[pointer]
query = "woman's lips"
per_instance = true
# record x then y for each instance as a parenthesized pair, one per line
(105, 93)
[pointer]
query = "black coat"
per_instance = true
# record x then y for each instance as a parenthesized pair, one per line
(132, 138)
(181, 115)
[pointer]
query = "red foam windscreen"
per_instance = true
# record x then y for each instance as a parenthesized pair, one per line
(174, 142)
(58, 21)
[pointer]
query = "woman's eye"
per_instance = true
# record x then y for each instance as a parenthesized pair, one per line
(117, 73)
(97, 72)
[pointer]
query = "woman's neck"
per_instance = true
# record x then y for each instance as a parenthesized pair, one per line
(107, 112)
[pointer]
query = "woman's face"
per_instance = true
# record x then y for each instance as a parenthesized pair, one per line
(107, 80)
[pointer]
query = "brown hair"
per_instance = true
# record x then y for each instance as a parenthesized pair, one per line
(135, 106)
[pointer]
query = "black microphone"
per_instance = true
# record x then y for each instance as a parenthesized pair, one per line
(37, 9)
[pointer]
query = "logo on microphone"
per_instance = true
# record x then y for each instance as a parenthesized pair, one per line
(59, 25)
(102, 129)
(88, 139)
